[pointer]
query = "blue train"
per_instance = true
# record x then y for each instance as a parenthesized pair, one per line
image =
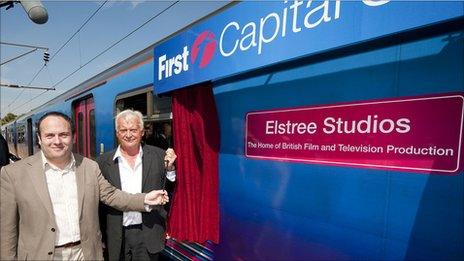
(339, 125)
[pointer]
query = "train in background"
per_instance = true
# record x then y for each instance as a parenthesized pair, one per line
(324, 79)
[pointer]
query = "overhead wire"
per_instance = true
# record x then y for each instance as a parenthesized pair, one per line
(19, 56)
(114, 44)
(104, 51)
(56, 53)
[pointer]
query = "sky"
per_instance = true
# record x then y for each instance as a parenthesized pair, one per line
(113, 21)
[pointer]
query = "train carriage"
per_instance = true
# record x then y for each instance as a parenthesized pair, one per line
(339, 124)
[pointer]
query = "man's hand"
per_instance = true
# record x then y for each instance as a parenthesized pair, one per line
(156, 197)
(169, 159)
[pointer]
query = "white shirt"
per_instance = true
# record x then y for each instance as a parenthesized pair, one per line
(62, 188)
(131, 182)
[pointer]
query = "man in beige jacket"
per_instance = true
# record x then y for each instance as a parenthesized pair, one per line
(49, 201)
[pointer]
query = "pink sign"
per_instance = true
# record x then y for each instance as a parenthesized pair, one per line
(422, 134)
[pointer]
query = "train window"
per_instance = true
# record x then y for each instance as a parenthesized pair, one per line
(140, 100)
(162, 107)
(30, 138)
(80, 133)
(136, 102)
(157, 113)
(35, 137)
(21, 133)
(159, 134)
(119, 106)
(92, 133)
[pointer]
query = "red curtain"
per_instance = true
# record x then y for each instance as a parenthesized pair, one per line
(194, 214)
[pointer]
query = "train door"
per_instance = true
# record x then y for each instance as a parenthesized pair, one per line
(84, 121)
(30, 138)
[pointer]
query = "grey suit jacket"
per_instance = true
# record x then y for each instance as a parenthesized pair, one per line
(27, 222)
(154, 222)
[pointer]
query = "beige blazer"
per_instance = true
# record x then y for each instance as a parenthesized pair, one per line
(27, 222)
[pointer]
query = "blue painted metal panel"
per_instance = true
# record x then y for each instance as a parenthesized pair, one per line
(253, 34)
(283, 210)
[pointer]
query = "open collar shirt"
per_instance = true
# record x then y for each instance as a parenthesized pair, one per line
(131, 182)
(62, 188)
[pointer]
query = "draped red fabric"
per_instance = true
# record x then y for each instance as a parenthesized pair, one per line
(194, 214)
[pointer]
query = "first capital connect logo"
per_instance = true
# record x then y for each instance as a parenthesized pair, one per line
(289, 17)
(202, 53)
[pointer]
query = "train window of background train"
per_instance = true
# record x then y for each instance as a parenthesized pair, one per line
(21, 132)
(92, 133)
(30, 138)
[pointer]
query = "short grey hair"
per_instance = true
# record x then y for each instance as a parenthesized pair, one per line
(129, 114)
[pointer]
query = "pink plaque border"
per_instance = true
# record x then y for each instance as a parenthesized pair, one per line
(360, 104)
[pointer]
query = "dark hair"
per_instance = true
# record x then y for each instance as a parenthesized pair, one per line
(57, 114)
